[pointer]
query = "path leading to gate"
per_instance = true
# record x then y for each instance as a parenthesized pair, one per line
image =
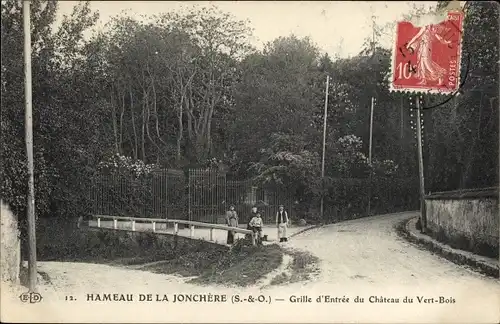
(363, 257)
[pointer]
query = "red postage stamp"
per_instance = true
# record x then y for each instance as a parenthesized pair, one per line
(427, 59)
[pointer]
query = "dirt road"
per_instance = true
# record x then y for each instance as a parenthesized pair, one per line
(359, 259)
(370, 250)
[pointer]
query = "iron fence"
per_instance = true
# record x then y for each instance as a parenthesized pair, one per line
(159, 194)
(204, 195)
(211, 194)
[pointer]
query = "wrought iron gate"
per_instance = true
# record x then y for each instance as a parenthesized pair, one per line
(206, 195)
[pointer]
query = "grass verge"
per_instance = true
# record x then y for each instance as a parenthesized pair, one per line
(244, 265)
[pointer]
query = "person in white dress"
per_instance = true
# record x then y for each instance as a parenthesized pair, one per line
(232, 221)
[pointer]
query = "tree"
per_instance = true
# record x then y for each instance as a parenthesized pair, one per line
(14, 169)
(176, 73)
(219, 41)
(288, 165)
(64, 150)
(463, 132)
(275, 95)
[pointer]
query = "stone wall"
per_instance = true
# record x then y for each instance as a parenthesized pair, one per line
(466, 220)
(10, 253)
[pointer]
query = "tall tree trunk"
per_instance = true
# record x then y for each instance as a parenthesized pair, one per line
(180, 133)
(215, 99)
(143, 129)
(122, 113)
(184, 87)
(155, 111)
(135, 147)
(113, 117)
(155, 108)
(148, 115)
(190, 124)
(209, 128)
(189, 102)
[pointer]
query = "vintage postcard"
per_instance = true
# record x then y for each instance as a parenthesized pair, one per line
(250, 162)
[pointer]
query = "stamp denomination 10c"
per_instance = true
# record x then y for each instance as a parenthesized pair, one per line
(427, 59)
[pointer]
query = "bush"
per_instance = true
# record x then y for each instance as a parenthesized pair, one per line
(347, 197)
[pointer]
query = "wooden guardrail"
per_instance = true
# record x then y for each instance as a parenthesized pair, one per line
(176, 222)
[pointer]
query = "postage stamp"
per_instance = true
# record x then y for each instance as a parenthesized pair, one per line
(427, 58)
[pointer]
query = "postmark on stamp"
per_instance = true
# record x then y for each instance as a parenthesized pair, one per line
(427, 59)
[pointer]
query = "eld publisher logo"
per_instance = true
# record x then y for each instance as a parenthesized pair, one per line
(31, 297)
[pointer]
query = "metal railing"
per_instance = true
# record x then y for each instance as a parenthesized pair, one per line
(175, 222)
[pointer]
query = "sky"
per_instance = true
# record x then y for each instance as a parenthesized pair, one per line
(337, 27)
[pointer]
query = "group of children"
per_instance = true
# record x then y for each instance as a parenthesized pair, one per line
(255, 224)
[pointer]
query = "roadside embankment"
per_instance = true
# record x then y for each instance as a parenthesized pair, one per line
(203, 261)
(485, 265)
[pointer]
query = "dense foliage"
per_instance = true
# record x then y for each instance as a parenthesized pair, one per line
(185, 89)
(462, 135)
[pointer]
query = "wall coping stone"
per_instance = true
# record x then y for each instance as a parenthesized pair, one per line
(491, 192)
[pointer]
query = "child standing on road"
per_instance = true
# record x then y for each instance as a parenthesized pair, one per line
(256, 226)
(253, 213)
